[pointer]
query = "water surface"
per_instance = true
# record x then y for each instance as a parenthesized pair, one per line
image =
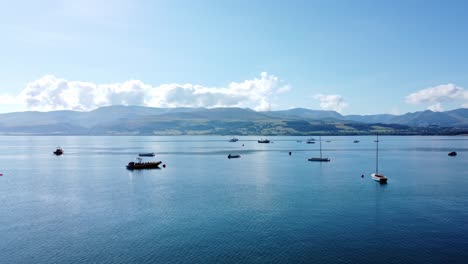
(266, 207)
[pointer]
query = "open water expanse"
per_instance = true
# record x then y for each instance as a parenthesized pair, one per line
(266, 207)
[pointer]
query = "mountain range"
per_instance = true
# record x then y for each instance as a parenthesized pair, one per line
(139, 120)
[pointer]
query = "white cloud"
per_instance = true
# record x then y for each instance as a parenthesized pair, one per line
(6, 99)
(283, 89)
(436, 107)
(52, 93)
(331, 102)
(437, 95)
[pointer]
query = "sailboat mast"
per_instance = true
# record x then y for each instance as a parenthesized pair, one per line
(377, 156)
(320, 139)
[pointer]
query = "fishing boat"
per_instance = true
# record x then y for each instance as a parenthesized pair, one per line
(235, 156)
(453, 153)
(263, 141)
(58, 151)
(321, 158)
(376, 176)
(150, 154)
(143, 165)
(233, 139)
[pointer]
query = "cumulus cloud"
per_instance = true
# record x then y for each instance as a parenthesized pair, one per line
(6, 99)
(437, 95)
(331, 102)
(436, 107)
(53, 93)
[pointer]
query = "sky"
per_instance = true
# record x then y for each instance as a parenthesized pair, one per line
(354, 57)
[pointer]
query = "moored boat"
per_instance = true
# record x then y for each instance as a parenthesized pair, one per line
(233, 139)
(58, 151)
(263, 141)
(356, 141)
(318, 159)
(322, 159)
(453, 153)
(379, 177)
(376, 176)
(150, 154)
(235, 156)
(143, 165)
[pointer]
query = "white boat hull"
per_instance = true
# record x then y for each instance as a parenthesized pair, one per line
(379, 177)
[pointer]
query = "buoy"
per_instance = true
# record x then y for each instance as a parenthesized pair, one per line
(362, 175)
(1, 174)
(242, 144)
(289, 153)
(164, 165)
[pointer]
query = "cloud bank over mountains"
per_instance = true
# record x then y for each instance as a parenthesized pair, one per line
(435, 96)
(53, 93)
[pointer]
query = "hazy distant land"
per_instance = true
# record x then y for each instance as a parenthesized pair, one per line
(138, 120)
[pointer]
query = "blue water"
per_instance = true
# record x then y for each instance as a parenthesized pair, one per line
(266, 207)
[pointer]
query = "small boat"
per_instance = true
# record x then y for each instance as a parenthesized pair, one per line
(143, 165)
(321, 158)
(235, 156)
(356, 141)
(310, 142)
(453, 153)
(150, 154)
(376, 176)
(233, 139)
(58, 151)
(263, 141)
(379, 177)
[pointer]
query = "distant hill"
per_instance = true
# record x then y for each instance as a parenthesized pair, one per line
(138, 120)
(454, 118)
(302, 113)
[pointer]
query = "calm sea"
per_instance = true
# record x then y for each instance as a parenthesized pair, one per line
(266, 207)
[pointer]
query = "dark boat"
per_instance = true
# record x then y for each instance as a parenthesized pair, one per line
(150, 154)
(356, 141)
(58, 151)
(321, 159)
(263, 141)
(235, 156)
(453, 153)
(143, 165)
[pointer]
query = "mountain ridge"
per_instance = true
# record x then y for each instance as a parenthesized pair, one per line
(141, 120)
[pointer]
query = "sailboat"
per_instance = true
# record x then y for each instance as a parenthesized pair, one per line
(321, 158)
(376, 176)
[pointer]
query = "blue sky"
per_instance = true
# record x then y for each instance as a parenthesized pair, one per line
(357, 57)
